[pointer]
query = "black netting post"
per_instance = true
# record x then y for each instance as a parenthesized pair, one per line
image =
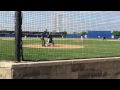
(18, 33)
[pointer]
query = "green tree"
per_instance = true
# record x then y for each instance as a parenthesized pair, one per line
(83, 33)
(116, 33)
(75, 33)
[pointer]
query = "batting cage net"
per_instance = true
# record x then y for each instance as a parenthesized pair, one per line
(56, 35)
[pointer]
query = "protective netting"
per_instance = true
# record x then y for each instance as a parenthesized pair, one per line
(94, 25)
(6, 36)
(75, 34)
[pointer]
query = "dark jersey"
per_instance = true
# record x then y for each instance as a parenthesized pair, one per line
(104, 37)
(50, 38)
(43, 35)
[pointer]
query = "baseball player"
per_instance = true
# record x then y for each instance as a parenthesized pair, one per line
(104, 38)
(50, 40)
(42, 38)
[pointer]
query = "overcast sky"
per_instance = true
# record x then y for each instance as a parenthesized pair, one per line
(70, 21)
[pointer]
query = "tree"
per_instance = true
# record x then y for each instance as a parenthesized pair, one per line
(82, 33)
(63, 34)
(116, 33)
(75, 33)
(4, 30)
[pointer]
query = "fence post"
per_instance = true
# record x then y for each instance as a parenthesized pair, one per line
(18, 33)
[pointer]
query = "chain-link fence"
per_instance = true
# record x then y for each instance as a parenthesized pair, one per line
(54, 35)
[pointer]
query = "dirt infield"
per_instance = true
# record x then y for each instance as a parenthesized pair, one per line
(8, 39)
(57, 46)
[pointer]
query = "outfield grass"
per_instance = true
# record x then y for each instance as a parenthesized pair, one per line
(93, 48)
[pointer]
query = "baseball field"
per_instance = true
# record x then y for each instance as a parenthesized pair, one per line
(66, 48)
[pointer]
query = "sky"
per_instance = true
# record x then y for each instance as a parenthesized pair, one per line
(70, 21)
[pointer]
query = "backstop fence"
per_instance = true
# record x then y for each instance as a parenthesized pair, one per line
(54, 35)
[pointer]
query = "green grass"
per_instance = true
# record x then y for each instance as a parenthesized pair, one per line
(93, 48)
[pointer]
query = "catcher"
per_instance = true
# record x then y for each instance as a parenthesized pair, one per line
(50, 40)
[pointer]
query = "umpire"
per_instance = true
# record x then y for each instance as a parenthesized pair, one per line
(42, 38)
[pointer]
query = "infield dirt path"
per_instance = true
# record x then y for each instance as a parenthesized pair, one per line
(60, 46)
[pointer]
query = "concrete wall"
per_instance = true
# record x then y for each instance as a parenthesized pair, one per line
(102, 68)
